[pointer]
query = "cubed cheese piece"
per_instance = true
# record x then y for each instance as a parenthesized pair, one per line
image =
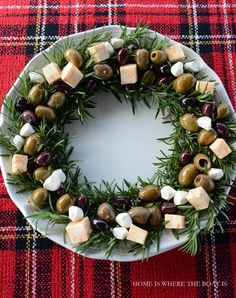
(215, 174)
(203, 86)
(167, 192)
(180, 197)
(19, 164)
(18, 141)
(52, 72)
(198, 198)
(52, 183)
(128, 74)
(75, 213)
(120, 233)
(26, 130)
(124, 220)
(79, 231)
(60, 174)
(175, 221)
(177, 69)
(220, 148)
(99, 52)
(36, 77)
(137, 234)
(71, 75)
(175, 53)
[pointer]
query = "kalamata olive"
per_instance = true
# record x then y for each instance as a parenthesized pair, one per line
(142, 59)
(56, 100)
(189, 102)
(133, 47)
(187, 175)
(189, 122)
(43, 112)
(106, 211)
(223, 111)
(29, 117)
(82, 201)
(208, 109)
(148, 77)
(139, 215)
(99, 225)
(184, 84)
(74, 56)
(155, 217)
(31, 167)
(202, 162)
(103, 71)
(185, 158)
(164, 70)
(91, 85)
(150, 193)
(61, 190)
(131, 86)
(122, 203)
(221, 129)
(36, 94)
(122, 56)
(21, 104)
(38, 198)
(158, 57)
(205, 181)
(164, 81)
(42, 173)
(168, 208)
(63, 204)
(61, 86)
(44, 158)
(206, 137)
(32, 144)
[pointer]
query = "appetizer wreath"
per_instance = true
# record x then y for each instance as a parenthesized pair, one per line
(190, 182)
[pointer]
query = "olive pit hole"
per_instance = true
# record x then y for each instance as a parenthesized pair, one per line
(154, 55)
(202, 162)
(198, 179)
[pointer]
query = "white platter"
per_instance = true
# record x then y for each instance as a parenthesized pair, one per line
(114, 144)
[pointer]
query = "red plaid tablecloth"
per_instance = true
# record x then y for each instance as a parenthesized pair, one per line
(33, 266)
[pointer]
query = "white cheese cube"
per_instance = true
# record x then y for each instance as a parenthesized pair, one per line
(71, 75)
(75, 213)
(117, 43)
(18, 141)
(204, 122)
(177, 69)
(191, 66)
(220, 148)
(19, 164)
(175, 53)
(203, 86)
(198, 198)
(52, 72)
(137, 234)
(175, 221)
(27, 130)
(99, 52)
(215, 174)
(180, 197)
(120, 233)
(109, 48)
(52, 183)
(79, 231)
(124, 220)
(167, 192)
(60, 174)
(36, 77)
(128, 74)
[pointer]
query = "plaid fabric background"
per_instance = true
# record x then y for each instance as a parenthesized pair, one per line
(33, 266)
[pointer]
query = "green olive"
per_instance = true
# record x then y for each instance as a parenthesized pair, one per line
(150, 193)
(36, 94)
(148, 77)
(155, 216)
(206, 137)
(42, 173)
(103, 71)
(205, 181)
(223, 111)
(56, 100)
(184, 84)
(63, 204)
(106, 211)
(74, 56)
(142, 59)
(202, 162)
(38, 198)
(43, 112)
(189, 122)
(139, 215)
(158, 57)
(32, 144)
(187, 175)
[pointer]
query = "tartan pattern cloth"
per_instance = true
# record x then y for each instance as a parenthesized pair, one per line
(33, 266)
